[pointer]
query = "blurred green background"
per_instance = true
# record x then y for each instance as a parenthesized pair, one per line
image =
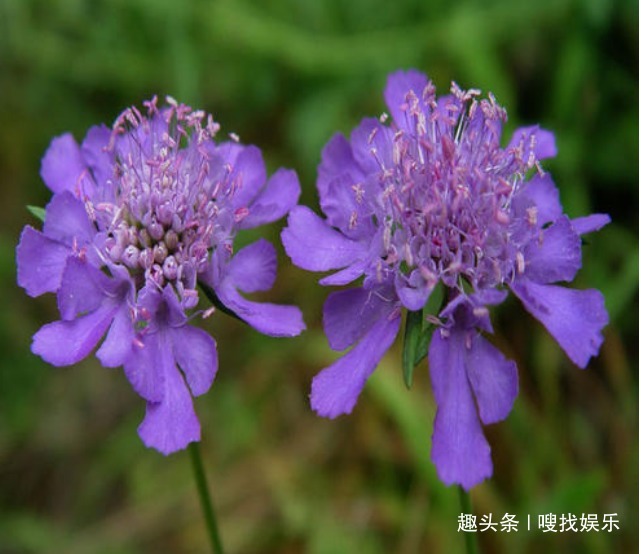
(285, 75)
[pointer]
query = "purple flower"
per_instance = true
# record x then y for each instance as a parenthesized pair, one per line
(433, 200)
(142, 214)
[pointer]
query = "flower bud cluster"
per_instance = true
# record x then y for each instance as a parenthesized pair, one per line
(162, 209)
(446, 191)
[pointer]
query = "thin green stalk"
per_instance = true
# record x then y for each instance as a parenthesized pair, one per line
(466, 508)
(205, 498)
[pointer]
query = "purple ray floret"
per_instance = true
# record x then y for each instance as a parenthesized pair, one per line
(427, 198)
(141, 215)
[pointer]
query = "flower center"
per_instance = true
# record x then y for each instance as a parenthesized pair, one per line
(159, 214)
(446, 196)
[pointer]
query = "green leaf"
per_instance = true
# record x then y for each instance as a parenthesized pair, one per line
(411, 344)
(435, 301)
(38, 212)
(418, 333)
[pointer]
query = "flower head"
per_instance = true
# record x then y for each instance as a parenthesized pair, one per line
(432, 199)
(142, 214)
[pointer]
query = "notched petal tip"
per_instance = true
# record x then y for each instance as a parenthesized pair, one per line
(460, 450)
(575, 318)
(171, 423)
(165, 439)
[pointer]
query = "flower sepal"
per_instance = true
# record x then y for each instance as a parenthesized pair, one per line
(419, 327)
(38, 212)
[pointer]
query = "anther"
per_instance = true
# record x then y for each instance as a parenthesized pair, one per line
(520, 263)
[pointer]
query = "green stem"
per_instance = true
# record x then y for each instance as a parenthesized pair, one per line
(205, 498)
(466, 508)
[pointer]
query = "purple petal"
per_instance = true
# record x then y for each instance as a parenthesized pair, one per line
(171, 424)
(336, 388)
(345, 208)
(492, 297)
(590, 223)
(541, 192)
(144, 367)
(399, 84)
(557, 257)
(40, 261)
(349, 314)
(372, 144)
(270, 319)
(413, 292)
(164, 309)
(67, 342)
(62, 165)
(278, 197)
(544, 141)
(227, 152)
(494, 380)
(253, 268)
(170, 312)
(145, 135)
(248, 173)
(574, 318)
(95, 155)
(82, 288)
(345, 276)
(336, 160)
(67, 220)
(460, 451)
(462, 309)
(314, 245)
(119, 342)
(195, 353)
